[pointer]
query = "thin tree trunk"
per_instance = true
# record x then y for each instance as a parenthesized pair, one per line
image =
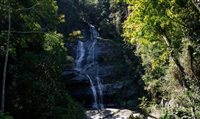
(196, 4)
(6, 61)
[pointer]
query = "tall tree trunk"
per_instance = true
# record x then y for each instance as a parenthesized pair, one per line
(182, 81)
(6, 61)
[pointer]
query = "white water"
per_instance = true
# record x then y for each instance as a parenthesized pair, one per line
(100, 92)
(80, 55)
(86, 63)
(94, 92)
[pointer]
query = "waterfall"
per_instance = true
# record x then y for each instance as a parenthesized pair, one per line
(100, 92)
(87, 63)
(80, 56)
(94, 92)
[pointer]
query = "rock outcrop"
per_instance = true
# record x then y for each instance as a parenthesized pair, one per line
(110, 113)
(113, 70)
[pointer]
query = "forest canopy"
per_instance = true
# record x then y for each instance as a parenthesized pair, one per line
(166, 36)
(35, 36)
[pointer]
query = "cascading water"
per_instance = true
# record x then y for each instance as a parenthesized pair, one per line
(87, 64)
(80, 55)
(94, 92)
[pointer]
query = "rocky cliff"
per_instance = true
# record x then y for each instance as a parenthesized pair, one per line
(120, 78)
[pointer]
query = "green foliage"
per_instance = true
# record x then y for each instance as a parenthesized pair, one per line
(165, 37)
(36, 59)
(5, 116)
(107, 15)
(38, 91)
(54, 45)
(127, 70)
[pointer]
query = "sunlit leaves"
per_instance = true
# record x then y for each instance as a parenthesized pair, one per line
(149, 24)
(149, 20)
(75, 33)
(53, 41)
(62, 18)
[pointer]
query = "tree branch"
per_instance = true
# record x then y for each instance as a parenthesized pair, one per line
(20, 9)
(26, 9)
(172, 55)
(28, 32)
(196, 4)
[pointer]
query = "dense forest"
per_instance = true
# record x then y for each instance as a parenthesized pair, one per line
(61, 58)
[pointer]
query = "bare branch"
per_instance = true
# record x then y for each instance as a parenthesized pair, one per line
(28, 32)
(26, 9)
(20, 9)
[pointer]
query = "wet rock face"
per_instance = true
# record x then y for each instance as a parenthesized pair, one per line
(78, 83)
(109, 64)
(73, 77)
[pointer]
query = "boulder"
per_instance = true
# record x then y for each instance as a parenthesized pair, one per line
(111, 113)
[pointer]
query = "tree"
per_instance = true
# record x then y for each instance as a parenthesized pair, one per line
(36, 58)
(6, 61)
(7, 51)
(165, 34)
